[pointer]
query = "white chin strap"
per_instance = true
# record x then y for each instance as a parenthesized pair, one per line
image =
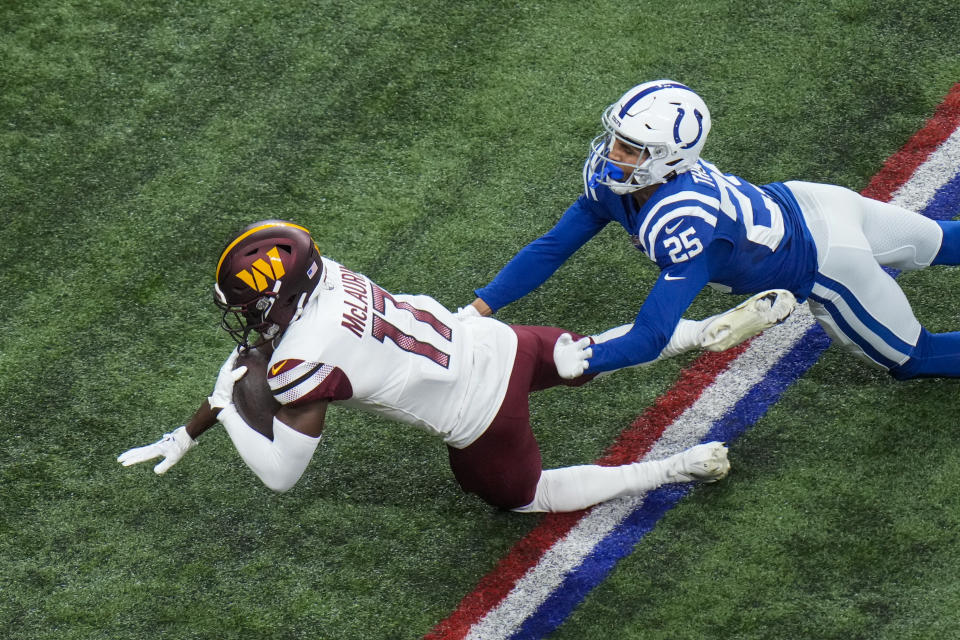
(629, 186)
(623, 188)
(302, 301)
(271, 332)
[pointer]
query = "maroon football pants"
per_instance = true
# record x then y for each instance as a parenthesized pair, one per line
(503, 465)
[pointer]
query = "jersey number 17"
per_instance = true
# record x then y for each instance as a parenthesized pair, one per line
(382, 328)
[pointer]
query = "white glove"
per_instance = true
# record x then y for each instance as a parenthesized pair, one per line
(223, 389)
(172, 447)
(571, 357)
(467, 312)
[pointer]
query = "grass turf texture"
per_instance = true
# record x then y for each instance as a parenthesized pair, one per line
(424, 143)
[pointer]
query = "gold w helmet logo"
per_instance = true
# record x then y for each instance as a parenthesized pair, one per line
(262, 273)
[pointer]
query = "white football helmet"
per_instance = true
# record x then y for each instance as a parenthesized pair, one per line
(664, 118)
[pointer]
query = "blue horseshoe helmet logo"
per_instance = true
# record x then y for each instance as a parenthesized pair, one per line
(676, 127)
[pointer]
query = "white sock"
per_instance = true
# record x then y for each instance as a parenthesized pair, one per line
(686, 337)
(579, 487)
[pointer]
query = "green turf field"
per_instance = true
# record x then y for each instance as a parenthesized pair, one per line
(424, 143)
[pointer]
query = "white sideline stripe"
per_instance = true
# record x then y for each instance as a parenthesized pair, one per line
(687, 430)
(541, 580)
(938, 169)
(743, 374)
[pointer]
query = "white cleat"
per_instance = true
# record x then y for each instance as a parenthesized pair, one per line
(702, 463)
(747, 319)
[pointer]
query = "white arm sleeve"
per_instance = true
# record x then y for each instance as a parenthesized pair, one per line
(280, 462)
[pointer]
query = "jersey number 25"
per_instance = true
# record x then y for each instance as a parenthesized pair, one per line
(683, 246)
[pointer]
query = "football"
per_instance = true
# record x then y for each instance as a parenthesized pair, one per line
(251, 393)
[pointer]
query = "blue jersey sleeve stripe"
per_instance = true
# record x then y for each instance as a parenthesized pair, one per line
(691, 199)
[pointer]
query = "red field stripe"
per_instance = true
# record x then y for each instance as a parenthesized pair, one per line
(901, 165)
(637, 440)
(495, 586)
(632, 444)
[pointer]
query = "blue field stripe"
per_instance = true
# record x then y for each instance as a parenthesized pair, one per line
(945, 204)
(765, 393)
(595, 568)
(620, 542)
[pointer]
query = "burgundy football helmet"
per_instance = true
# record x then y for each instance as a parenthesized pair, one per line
(265, 277)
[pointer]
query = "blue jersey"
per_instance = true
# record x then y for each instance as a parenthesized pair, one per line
(700, 227)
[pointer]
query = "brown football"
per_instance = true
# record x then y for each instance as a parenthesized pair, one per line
(251, 393)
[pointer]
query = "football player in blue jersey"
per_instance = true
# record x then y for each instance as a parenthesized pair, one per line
(826, 244)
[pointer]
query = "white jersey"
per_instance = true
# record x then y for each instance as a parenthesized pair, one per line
(404, 357)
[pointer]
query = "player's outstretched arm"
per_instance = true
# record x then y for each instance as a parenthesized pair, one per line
(716, 333)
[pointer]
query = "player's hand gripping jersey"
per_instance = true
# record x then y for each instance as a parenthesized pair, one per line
(401, 356)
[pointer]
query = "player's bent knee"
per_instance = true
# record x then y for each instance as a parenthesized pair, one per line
(508, 500)
(501, 491)
(499, 488)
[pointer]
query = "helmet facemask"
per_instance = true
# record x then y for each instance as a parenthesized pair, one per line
(665, 122)
(240, 320)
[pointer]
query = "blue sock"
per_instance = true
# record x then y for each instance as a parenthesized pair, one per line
(949, 252)
(937, 355)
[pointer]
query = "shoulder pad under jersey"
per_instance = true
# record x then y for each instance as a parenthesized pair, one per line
(296, 382)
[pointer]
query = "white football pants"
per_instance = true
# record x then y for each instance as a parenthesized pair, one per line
(858, 304)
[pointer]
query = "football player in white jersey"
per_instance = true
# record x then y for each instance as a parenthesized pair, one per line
(336, 336)
(824, 243)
